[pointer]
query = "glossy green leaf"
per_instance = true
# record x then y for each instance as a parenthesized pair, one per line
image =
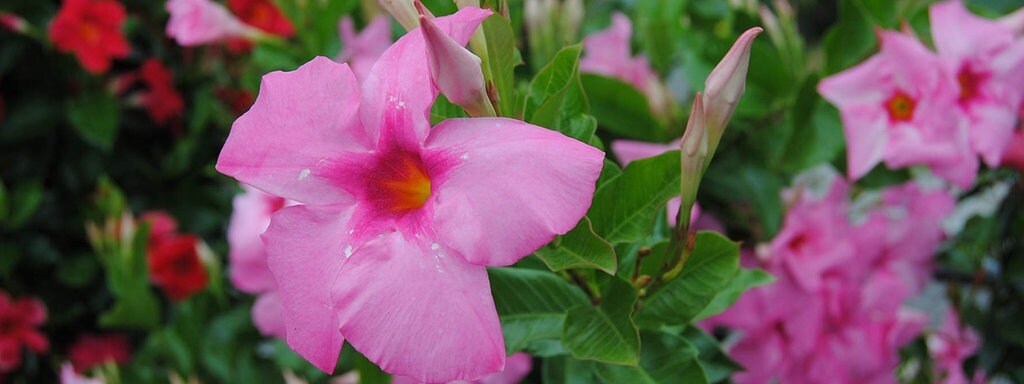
(665, 359)
(566, 370)
(624, 209)
(555, 94)
(95, 115)
(716, 363)
(744, 280)
(605, 333)
(501, 59)
(532, 305)
(712, 264)
(580, 248)
(24, 202)
(621, 108)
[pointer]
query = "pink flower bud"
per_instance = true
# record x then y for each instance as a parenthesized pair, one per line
(725, 85)
(404, 11)
(456, 71)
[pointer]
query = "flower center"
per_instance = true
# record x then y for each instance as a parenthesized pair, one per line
(901, 107)
(969, 81)
(89, 33)
(399, 182)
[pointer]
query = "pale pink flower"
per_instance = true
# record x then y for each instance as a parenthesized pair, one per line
(400, 220)
(69, 376)
(456, 71)
(899, 106)
(949, 346)
(986, 57)
(609, 53)
(202, 22)
(361, 50)
(517, 366)
(250, 217)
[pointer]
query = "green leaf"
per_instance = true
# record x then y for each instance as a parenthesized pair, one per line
(660, 30)
(94, 115)
(624, 209)
(716, 363)
(444, 109)
(850, 39)
(665, 359)
(621, 108)
(531, 305)
(580, 248)
(712, 264)
(370, 373)
(555, 94)
(501, 59)
(744, 280)
(138, 310)
(817, 137)
(25, 199)
(566, 370)
(606, 333)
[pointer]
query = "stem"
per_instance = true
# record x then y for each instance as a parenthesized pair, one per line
(595, 297)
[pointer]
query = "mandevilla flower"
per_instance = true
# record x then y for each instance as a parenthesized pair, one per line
(19, 326)
(724, 87)
(900, 106)
(91, 30)
(249, 273)
(949, 346)
(261, 14)
(202, 22)
(404, 11)
(160, 99)
(608, 53)
(400, 220)
(69, 376)
(174, 260)
(986, 57)
(361, 50)
(517, 366)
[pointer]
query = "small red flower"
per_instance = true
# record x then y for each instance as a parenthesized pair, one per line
(13, 22)
(239, 100)
(94, 350)
(19, 323)
(90, 29)
(161, 226)
(262, 14)
(161, 100)
(174, 266)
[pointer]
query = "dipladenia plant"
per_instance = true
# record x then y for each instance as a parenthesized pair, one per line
(499, 192)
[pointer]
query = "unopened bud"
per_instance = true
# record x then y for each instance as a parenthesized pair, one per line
(725, 85)
(456, 71)
(13, 22)
(404, 11)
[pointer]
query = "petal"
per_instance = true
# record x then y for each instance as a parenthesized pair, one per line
(959, 33)
(300, 120)
(865, 131)
(420, 311)
(249, 218)
(914, 66)
(608, 52)
(867, 83)
(398, 91)
(266, 315)
(511, 187)
(305, 250)
(517, 367)
(991, 130)
(33, 310)
(628, 150)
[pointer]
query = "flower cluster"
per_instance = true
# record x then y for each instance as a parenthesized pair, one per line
(845, 270)
(910, 106)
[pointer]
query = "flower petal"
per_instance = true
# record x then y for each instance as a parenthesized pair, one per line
(300, 120)
(959, 33)
(418, 310)
(511, 188)
(864, 84)
(865, 131)
(398, 91)
(266, 315)
(305, 251)
(250, 216)
(629, 150)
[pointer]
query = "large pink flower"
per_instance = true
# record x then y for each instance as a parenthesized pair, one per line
(250, 216)
(986, 57)
(900, 106)
(400, 219)
(201, 22)
(609, 53)
(361, 50)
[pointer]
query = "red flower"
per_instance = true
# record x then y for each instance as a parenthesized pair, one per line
(91, 29)
(174, 266)
(239, 100)
(161, 226)
(19, 323)
(94, 350)
(161, 100)
(263, 15)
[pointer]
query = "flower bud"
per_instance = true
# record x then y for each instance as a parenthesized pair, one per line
(404, 11)
(456, 71)
(13, 22)
(725, 85)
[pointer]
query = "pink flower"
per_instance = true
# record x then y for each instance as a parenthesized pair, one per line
(517, 367)
(1014, 154)
(813, 240)
(949, 346)
(249, 271)
(201, 22)
(899, 106)
(609, 53)
(456, 71)
(400, 219)
(361, 50)
(986, 57)
(19, 327)
(13, 22)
